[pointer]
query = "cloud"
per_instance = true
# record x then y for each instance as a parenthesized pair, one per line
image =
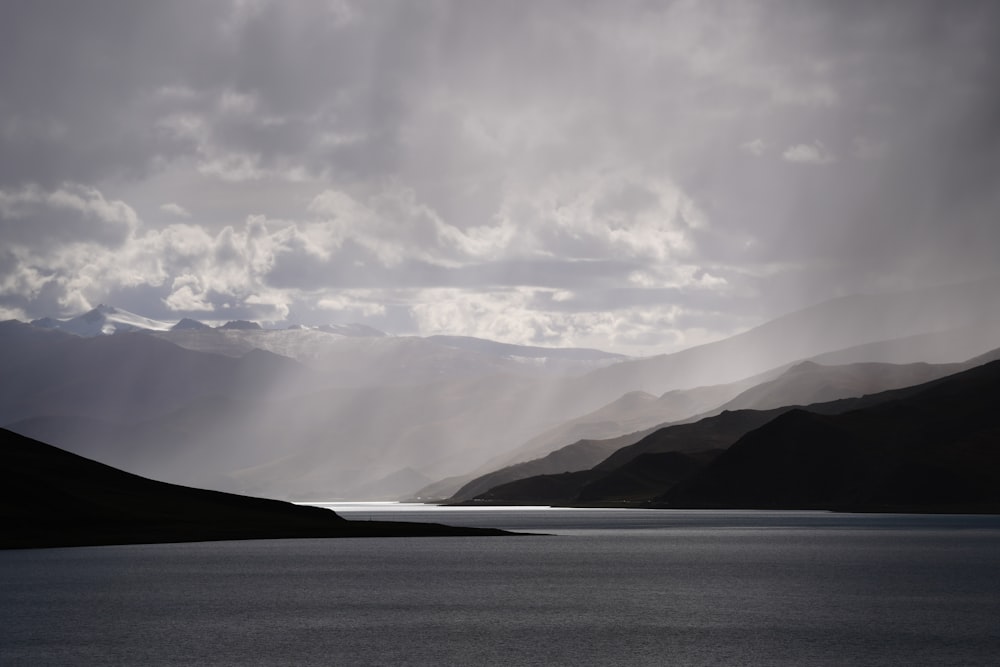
(347, 159)
(32, 217)
(754, 147)
(175, 210)
(814, 153)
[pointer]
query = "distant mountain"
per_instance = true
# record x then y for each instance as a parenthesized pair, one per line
(125, 377)
(946, 345)
(930, 447)
(951, 313)
(336, 443)
(393, 486)
(241, 325)
(935, 449)
(642, 478)
(711, 433)
(945, 324)
(187, 324)
(808, 382)
(631, 413)
(325, 413)
(352, 357)
(107, 320)
(352, 330)
(803, 383)
(139, 402)
(580, 456)
(103, 320)
(494, 348)
(52, 498)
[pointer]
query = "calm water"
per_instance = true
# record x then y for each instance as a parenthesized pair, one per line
(627, 587)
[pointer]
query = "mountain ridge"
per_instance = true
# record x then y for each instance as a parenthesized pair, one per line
(52, 498)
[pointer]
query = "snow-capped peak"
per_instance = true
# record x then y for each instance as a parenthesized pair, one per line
(103, 320)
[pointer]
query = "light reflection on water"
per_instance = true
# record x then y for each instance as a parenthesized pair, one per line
(610, 587)
(571, 520)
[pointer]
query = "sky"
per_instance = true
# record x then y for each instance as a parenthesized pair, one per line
(638, 177)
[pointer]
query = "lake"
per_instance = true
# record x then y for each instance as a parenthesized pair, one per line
(607, 587)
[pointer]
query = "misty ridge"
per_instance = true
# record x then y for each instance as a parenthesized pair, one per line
(349, 412)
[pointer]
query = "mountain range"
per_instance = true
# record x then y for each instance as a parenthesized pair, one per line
(348, 412)
(933, 446)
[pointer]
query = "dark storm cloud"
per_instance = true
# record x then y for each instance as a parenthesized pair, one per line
(558, 161)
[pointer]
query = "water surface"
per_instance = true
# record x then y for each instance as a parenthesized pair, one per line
(627, 587)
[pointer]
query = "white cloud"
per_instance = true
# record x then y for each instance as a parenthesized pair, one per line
(814, 153)
(12, 314)
(175, 210)
(353, 304)
(607, 212)
(187, 297)
(512, 316)
(87, 201)
(754, 147)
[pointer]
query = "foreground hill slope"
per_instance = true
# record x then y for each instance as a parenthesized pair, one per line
(50, 497)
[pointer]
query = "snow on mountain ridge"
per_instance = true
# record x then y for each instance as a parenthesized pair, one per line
(103, 320)
(106, 320)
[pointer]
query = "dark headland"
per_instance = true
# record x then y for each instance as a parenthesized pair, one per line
(52, 498)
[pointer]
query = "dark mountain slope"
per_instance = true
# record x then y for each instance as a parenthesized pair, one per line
(641, 463)
(801, 384)
(125, 377)
(49, 497)
(637, 481)
(579, 456)
(689, 441)
(933, 449)
(561, 489)
(644, 477)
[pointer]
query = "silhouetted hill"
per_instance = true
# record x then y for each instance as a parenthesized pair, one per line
(690, 441)
(644, 477)
(934, 448)
(808, 382)
(581, 455)
(50, 497)
(632, 412)
(800, 384)
(561, 489)
(716, 432)
(643, 471)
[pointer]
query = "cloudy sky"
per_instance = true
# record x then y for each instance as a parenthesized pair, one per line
(634, 176)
